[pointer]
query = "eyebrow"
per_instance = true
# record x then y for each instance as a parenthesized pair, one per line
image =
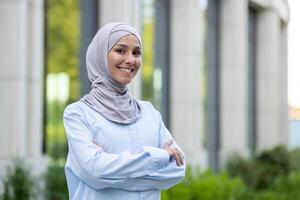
(125, 46)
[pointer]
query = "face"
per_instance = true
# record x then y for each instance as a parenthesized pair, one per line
(124, 59)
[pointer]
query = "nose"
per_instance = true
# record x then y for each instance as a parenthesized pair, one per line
(129, 58)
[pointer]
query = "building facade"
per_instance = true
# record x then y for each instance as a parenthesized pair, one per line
(21, 81)
(219, 72)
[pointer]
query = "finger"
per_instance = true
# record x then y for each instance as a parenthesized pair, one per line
(181, 159)
(180, 155)
(177, 159)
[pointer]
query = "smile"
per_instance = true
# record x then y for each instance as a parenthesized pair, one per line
(128, 70)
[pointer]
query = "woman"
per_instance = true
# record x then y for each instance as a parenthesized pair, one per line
(119, 147)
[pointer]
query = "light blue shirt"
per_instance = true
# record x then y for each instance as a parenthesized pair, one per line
(127, 161)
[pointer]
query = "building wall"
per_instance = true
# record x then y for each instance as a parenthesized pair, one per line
(233, 75)
(21, 81)
(270, 73)
(185, 71)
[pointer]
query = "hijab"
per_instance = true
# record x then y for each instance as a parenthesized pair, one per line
(108, 97)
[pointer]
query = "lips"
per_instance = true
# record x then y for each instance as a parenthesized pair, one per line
(125, 69)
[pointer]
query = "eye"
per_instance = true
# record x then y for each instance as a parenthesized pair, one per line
(137, 52)
(120, 51)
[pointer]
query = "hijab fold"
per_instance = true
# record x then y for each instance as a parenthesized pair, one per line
(108, 97)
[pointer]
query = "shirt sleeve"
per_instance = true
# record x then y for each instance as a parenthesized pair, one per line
(163, 178)
(171, 174)
(99, 169)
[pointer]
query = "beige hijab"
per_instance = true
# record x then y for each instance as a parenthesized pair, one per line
(108, 97)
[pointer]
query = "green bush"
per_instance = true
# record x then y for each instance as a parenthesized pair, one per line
(58, 151)
(295, 157)
(55, 183)
(261, 171)
(207, 186)
(287, 187)
(283, 188)
(19, 184)
(210, 186)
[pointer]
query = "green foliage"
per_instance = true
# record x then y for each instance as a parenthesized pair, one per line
(205, 185)
(295, 157)
(288, 186)
(19, 184)
(56, 137)
(261, 171)
(63, 40)
(62, 55)
(283, 188)
(55, 183)
(55, 112)
(209, 186)
(58, 151)
(148, 66)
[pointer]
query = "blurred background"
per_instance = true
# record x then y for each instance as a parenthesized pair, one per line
(223, 73)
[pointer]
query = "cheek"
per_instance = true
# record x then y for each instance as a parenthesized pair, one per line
(112, 62)
(139, 62)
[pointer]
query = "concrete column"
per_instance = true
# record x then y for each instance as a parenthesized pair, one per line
(284, 86)
(233, 75)
(127, 11)
(13, 78)
(269, 80)
(186, 119)
(21, 81)
(35, 77)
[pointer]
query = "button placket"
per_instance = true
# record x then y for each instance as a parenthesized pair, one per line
(136, 139)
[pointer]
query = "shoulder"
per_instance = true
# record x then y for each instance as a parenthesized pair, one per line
(77, 107)
(83, 112)
(73, 107)
(148, 108)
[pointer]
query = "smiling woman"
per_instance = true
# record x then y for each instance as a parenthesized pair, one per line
(119, 147)
(125, 59)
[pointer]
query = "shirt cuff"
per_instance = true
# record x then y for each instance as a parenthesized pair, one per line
(159, 156)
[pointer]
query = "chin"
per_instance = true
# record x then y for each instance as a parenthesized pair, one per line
(124, 82)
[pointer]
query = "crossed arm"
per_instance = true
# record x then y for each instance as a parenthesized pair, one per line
(150, 169)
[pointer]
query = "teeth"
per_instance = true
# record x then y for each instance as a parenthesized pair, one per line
(125, 69)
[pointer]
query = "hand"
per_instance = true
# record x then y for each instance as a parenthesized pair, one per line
(173, 152)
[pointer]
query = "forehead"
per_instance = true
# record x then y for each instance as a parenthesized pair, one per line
(129, 40)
